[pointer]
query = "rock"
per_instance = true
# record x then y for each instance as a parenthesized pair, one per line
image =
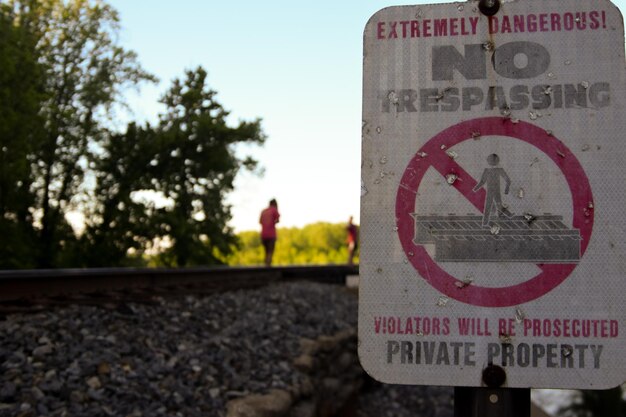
(37, 393)
(327, 343)
(44, 340)
(306, 387)
(15, 360)
(331, 384)
(214, 392)
(246, 348)
(77, 396)
(42, 410)
(7, 392)
(304, 409)
(104, 368)
(94, 382)
(51, 385)
(346, 360)
(51, 373)
(304, 363)
(274, 404)
(96, 394)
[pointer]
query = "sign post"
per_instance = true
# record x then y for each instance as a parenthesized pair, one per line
(493, 190)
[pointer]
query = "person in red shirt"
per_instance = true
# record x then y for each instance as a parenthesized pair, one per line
(352, 240)
(268, 220)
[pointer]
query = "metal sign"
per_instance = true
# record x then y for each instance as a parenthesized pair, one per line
(493, 193)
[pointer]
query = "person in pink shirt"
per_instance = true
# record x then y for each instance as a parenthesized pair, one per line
(268, 220)
(352, 240)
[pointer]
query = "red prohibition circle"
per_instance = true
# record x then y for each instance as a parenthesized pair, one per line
(433, 154)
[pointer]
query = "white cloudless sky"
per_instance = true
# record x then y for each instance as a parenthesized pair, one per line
(296, 65)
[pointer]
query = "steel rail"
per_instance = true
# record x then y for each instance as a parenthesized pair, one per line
(20, 284)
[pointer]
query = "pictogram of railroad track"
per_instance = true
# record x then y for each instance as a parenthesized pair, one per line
(525, 238)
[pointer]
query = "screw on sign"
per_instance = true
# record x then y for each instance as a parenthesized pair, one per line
(492, 235)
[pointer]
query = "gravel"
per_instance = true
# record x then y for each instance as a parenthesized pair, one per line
(181, 356)
(384, 400)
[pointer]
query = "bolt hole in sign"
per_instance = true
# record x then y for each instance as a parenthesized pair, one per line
(493, 193)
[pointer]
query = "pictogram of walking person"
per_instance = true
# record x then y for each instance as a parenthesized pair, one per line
(491, 180)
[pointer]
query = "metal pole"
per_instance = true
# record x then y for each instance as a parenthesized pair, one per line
(491, 402)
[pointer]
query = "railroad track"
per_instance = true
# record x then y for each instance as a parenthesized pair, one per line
(34, 290)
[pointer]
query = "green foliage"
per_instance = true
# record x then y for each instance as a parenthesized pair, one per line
(118, 225)
(248, 251)
(314, 244)
(196, 166)
(189, 161)
(21, 128)
(84, 73)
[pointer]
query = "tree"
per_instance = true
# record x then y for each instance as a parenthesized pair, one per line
(85, 71)
(315, 244)
(194, 169)
(21, 96)
(56, 143)
(248, 251)
(119, 227)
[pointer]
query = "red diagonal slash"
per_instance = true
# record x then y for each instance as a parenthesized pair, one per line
(464, 183)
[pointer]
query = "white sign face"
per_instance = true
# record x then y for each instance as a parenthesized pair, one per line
(493, 195)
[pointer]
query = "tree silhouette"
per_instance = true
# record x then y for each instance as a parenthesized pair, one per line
(21, 129)
(84, 72)
(63, 73)
(314, 244)
(195, 168)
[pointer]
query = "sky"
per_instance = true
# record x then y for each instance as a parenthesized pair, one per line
(296, 65)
